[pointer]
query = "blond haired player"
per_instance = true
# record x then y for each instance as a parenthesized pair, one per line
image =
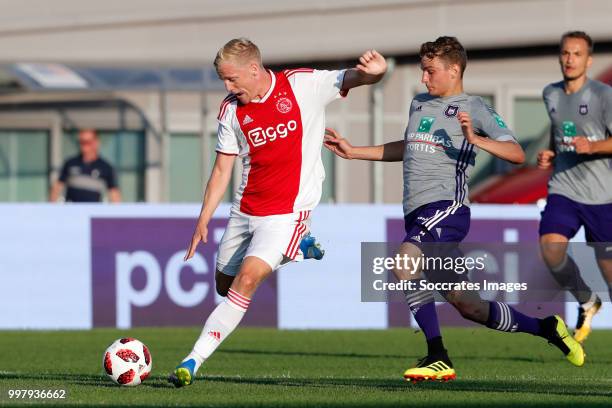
(275, 123)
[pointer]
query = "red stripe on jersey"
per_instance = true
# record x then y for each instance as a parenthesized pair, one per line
(274, 135)
(290, 72)
(226, 102)
(224, 106)
(293, 71)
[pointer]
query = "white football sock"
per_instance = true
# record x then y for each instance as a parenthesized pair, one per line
(220, 324)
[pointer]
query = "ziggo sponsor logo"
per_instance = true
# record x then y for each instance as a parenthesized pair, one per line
(260, 136)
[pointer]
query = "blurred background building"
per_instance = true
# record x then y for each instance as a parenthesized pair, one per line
(140, 72)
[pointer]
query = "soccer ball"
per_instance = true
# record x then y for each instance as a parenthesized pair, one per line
(127, 361)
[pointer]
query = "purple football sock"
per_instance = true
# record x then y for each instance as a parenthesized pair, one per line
(503, 317)
(427, 319)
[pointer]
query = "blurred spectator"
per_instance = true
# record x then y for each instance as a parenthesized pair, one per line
(87, 175)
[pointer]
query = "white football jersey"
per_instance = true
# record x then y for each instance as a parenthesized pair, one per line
(279, 139)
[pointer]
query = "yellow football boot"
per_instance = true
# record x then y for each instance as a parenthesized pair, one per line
(183, 374)
(431, 368)
(558, 335)
(585, 316)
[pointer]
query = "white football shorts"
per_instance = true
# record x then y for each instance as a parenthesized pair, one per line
(274, 238)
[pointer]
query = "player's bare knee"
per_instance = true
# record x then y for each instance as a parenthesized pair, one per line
(553, 251)
(552, 256)
(252, 272)
(246, 281)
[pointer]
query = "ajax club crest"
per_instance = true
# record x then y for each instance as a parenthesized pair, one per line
(284, 104)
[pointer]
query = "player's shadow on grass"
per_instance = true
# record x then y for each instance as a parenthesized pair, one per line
(520, 386)
(410, 357)
(392, 385)
(64, 378)
(309, 354)
(82, 379)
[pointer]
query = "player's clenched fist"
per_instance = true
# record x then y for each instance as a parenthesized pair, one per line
(372, 63)
(545, 158)
(369, 70)
(582, 145)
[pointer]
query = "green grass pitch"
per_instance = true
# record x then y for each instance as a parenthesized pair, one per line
(267, 368)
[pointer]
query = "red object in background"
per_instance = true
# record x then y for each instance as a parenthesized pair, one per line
(606, 77)
(521, 186)
(525, 185)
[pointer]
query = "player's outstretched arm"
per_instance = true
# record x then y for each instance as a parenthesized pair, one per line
(215, 188)
(370, 69)
(393, 151)
(506, 150)
(585, 146)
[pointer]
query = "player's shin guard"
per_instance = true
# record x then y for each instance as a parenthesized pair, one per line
(503, 317)
(220, 324)
(567, 274)
(423, 308)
